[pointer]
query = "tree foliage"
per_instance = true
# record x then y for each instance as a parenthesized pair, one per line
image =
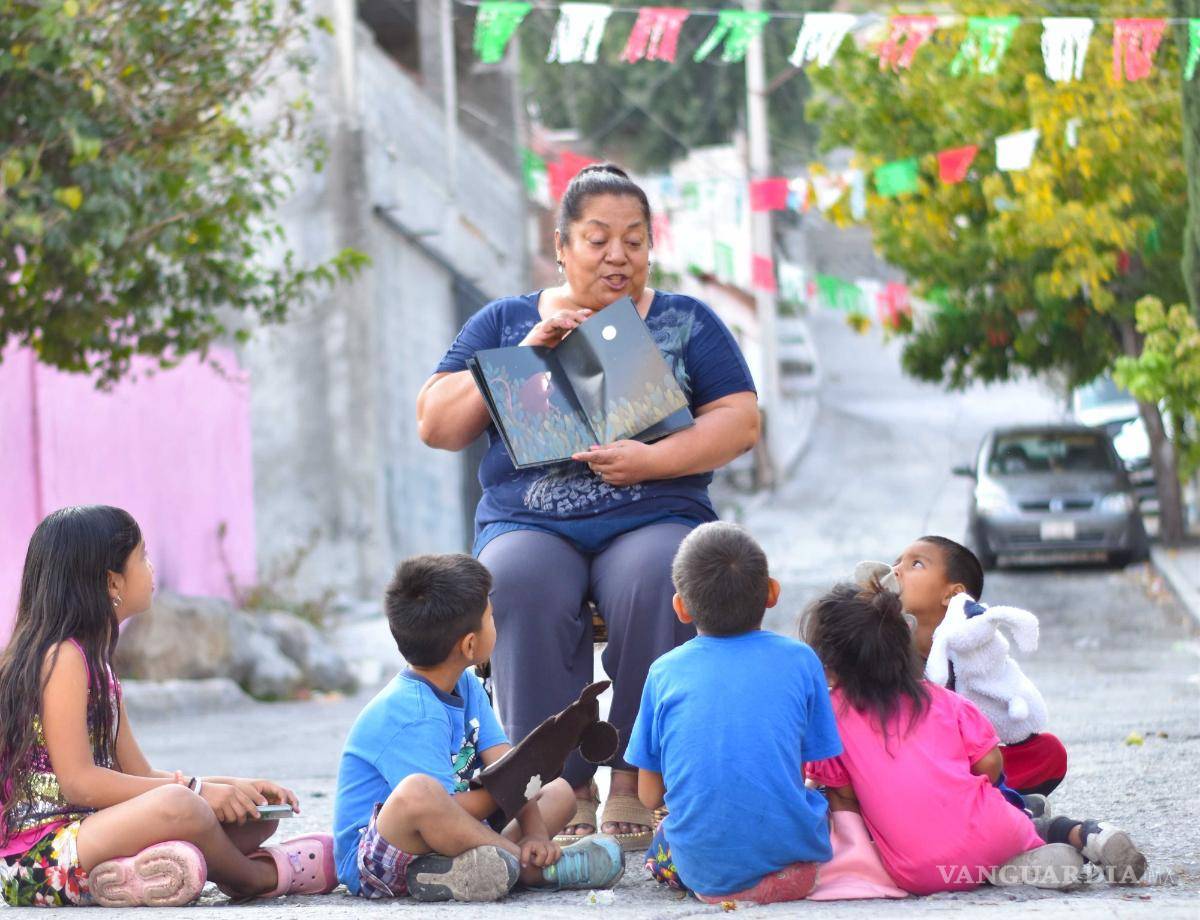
(1168, 371)
(137, 188)
(1038, 269)
(650, 113)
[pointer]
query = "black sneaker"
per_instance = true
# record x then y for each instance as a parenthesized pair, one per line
(485, 873)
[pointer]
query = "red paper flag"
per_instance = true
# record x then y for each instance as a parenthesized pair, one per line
(1137, 41)
(953, 164)
(655, 34)
(905, 35)
(893, 303)
(763, 274)
(769, 195)
(559, 174)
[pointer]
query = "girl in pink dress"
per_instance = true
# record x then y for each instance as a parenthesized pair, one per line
(920, 763)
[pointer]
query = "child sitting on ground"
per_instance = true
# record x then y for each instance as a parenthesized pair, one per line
(405, 821)
(725, 725)
(929, 574)
(86, 819)
(920, 764)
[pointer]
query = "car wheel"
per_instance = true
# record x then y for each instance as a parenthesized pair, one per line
(1121, 559)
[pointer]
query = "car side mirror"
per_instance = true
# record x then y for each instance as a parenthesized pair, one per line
(967, 471)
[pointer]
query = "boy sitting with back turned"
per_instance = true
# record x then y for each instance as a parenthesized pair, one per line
(727, 721)
(404, 819)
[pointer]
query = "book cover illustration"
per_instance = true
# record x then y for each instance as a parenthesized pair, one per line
(604, 382)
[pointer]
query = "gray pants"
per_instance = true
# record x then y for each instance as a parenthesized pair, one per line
(543, 655)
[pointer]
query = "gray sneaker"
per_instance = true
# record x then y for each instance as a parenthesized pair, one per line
(1056, 866)
(1038, 806)
(593, 862)
(485, 873)
(1114, 852)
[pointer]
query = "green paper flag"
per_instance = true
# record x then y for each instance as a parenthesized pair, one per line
(723, 256)
(896, 178)
(737, 28)
(494, 25)
(988, 37)
(533, 169)
(838, 294)
(1193, 57)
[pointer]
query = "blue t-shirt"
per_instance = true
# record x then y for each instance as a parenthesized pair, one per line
(567, 498)
(729, 723)
(410, 727)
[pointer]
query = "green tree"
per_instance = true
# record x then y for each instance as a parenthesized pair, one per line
(1190, 9)
(136, 189)
(650, 113)
(1037, 270)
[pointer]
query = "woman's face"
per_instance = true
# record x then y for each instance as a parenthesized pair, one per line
(607, 253)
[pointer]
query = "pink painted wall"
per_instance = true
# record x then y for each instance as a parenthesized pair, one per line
(172, 449)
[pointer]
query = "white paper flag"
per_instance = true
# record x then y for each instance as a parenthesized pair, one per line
(820, 37)
(793, 282)
(828, 189)
(1015, 151)
(1073, 132)
(856, 181)
(1064, 47)
(578, 33)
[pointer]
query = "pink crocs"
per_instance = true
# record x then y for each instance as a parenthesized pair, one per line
(168, 874)
(305, 865)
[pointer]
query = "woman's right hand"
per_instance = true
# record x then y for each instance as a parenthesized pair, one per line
(229, 803)
(549, 332)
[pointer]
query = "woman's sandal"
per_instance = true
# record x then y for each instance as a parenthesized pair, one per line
(585, 813)
(628, 809)
(168, 874)
(304, 865)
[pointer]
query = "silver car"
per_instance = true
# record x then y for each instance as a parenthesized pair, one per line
(1052, 490)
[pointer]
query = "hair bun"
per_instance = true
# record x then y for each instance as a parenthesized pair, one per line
(603, 168)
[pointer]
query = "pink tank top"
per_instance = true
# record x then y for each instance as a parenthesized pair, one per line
(49, 809)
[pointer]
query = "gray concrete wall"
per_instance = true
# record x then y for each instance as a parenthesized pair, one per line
(343, 486)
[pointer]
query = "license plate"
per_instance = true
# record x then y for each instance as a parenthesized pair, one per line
(1058, 530)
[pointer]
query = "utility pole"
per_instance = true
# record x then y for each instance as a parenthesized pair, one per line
(759, 155)
(449, 100)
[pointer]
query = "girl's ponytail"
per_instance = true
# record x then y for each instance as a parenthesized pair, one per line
(862, 637)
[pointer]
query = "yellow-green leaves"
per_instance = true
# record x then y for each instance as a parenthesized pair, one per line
(71, 196)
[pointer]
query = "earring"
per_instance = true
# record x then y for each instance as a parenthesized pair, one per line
(560, 268)
(117, 601)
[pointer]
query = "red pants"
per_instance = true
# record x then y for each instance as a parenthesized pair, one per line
(1036, 765)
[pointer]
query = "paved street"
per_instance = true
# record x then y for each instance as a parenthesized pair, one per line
(1118, 656)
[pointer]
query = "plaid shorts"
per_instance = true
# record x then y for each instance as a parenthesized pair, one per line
(380, 865)
(47, 874)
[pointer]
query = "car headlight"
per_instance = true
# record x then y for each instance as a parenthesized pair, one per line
(1117, 503)
(991, 499)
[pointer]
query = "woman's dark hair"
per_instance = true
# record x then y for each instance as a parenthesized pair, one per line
(64, 595)
(861, 636)
(599, 179)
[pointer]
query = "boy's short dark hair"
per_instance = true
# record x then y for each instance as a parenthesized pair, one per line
(432, 602)
(721, 574)
(962, 565)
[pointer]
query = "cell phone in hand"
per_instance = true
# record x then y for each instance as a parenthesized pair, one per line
(274, 812)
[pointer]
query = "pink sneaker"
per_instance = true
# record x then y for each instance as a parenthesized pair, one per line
(305, 865)
(168, 874)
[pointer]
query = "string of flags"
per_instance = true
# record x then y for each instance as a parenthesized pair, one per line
(654, 37)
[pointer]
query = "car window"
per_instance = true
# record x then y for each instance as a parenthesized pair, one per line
(1100, 391)
(1049, 453)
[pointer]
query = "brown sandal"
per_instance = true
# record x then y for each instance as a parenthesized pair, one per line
(585, 813)
(628, 809)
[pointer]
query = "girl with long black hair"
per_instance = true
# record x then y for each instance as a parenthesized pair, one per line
(85, 817)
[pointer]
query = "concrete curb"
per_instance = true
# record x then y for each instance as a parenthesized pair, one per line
(1167, 562)
(150, 699)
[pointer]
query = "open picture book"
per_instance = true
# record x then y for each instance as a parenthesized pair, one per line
(606, 381)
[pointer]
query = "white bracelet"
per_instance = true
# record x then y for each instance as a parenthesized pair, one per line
(199, 785)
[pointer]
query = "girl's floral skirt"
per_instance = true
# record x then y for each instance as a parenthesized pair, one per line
(47, 874)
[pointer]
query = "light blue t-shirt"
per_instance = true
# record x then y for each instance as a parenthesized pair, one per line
(410, 727)
(729, 723)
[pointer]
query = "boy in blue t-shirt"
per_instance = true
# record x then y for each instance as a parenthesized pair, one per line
(726, 723)
(404, 818)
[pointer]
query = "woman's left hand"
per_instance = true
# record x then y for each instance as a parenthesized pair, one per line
(621, 463)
